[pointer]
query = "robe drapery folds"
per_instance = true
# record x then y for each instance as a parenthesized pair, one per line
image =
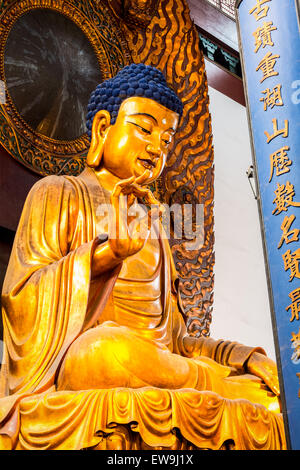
(48, 300)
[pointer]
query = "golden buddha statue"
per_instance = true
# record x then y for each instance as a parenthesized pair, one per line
(96, 352)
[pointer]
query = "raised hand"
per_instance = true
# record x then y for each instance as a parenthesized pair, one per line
(129, 234)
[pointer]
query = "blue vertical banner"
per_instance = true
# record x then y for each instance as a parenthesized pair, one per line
(270, 48)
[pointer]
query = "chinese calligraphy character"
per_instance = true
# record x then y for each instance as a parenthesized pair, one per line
(267, 65)
(291, 261)
(263, 36)
(260, 11)
(296, 346)
(276, 132)
(284, 197)
(295, 305)
(280, 162)
(272, 97)
(288, 235)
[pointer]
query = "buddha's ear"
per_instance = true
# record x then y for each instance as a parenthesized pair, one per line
(101, 123)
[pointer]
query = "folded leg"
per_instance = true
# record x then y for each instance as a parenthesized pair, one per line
(112, 356)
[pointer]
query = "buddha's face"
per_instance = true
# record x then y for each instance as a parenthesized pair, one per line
(140, 139)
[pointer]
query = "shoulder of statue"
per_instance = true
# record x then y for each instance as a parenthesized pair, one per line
(98, 193)
(53, 188)
(50, 181)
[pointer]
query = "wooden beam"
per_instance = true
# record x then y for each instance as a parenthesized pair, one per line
(225, 82)
(211, 20)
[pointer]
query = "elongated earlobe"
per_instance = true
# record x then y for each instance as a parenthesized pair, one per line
(101, 123)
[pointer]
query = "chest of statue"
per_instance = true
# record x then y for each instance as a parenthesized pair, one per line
(137, 292)
(143, 265)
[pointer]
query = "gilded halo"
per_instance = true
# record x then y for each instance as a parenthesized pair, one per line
(37, 91)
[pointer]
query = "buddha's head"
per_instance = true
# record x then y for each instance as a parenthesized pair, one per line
(131, 121)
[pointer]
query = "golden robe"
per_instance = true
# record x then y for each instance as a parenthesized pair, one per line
(50, 303)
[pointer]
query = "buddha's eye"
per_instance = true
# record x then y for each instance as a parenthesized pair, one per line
(167, 139)
(146, 131)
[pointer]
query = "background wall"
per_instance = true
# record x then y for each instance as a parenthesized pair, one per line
(241, 306)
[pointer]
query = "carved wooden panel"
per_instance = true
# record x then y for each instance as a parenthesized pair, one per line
(170, 42)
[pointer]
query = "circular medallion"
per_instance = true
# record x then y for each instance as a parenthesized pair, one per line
(53, 54)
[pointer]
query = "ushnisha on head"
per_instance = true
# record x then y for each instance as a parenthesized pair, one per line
(133, 80)
(131, 120)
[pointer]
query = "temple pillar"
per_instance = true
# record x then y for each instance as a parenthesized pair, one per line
(269, 44)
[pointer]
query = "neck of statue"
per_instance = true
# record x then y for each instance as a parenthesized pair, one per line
(106, 179)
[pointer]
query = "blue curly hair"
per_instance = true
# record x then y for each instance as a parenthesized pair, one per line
(133, 80)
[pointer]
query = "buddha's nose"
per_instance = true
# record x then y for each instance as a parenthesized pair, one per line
(153, 150)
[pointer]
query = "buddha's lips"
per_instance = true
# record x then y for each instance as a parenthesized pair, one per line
(146, 162)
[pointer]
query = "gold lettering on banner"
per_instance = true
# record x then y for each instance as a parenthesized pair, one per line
(295, 305)
(288, 236)
(263, 35)
(284, 197)
(267, 65)
(276, 132)
(291, 262)
(280, 162)
(260, 11)
(272, 97)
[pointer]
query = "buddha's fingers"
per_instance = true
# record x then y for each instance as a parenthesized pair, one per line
(132, 186)
(151, 199)
(146, 194)
(274, 385)
(271, 379)
(130, 199)
(139, 232)
(128, 188)
(263, 367)
(132, 190)
(143, 178)
(118, 205)
(119, 187)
